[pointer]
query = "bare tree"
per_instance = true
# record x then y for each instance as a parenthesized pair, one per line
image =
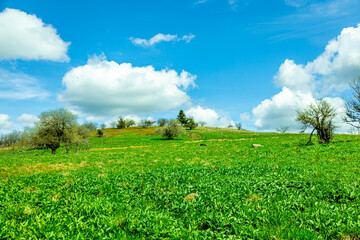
(318, 116)
(202, 123)
(238, 126)
(282, 129)
(353, 105)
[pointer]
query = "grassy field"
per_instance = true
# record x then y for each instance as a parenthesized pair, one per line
(134, 185)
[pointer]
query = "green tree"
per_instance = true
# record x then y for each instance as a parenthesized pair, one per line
(318, 116)
(103, 126)
(171, 130)
(182, 117)
(190, 123)
(55, 127)
(129, 122)
(238, 126)
(91, 126)
(145, 123)
(121, 123)
(161, 122)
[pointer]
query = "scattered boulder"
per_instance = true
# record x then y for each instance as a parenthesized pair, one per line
(203, 144)
(191, 196)
(257, 145)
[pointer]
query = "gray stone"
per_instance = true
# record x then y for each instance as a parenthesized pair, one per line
(257, 145)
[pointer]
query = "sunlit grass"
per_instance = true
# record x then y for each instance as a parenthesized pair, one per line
(137, 185)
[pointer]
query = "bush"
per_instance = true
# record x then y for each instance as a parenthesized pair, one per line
(100, 133)
(170, 130)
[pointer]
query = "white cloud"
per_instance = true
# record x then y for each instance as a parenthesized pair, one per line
(280, 110)
(4, 122)
(245, 116)
(27, 120)
(294, 77)
(160, 38)
(20, 86)
(24, 36)
(106, 88)
(210, 116)
(330, 73)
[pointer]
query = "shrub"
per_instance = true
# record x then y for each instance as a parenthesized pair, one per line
(100, 133)
(170, 130)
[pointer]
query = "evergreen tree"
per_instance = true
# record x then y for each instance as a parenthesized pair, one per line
(182, 117)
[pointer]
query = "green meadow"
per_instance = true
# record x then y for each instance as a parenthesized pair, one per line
(132, 184)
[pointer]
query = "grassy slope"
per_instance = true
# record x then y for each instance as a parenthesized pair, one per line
(133, 186)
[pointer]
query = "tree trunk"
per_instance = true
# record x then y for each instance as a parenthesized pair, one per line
(308, 143)
(53, 151)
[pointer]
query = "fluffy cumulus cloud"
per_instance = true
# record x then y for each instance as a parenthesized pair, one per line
(329, 74)
(20, 86)
(4, 121)
(27, 120)
(160, 38)
(210, 116)
(280, 110)
(106, 88)
(25, 36)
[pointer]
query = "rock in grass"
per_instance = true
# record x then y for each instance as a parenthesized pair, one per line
(191, 196)
(203, 144)
(257, 145)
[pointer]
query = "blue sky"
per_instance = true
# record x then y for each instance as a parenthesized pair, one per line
(235, 54)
